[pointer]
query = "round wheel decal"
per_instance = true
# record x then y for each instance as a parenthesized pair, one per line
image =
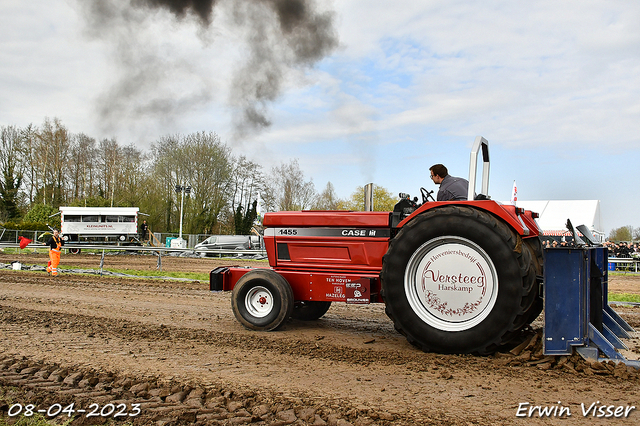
(451, 283)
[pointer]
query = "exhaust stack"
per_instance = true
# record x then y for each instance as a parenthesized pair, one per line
(368, 197)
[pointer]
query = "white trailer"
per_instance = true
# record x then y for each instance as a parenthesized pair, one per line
(105, 224)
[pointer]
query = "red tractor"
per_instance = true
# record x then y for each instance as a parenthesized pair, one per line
(456, 276)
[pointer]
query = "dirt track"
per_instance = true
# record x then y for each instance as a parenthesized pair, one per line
(176, 349)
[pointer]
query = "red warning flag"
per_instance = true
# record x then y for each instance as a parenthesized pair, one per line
(23, 241)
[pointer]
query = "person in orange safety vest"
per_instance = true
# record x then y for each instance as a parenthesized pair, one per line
(54, 243)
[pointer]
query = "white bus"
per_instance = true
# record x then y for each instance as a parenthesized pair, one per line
(105, 224)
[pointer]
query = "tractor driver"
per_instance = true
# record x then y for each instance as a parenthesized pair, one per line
(451, 188)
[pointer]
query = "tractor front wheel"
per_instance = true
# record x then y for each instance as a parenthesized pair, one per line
(262, 300)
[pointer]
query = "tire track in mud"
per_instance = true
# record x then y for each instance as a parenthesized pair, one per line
(419, 362)
(126, 329)
(157, 401)
(168, 399)
(84, 334)
(44, 291)
(129, 330)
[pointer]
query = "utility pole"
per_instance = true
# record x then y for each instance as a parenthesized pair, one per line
(113, 185)
(182, 189)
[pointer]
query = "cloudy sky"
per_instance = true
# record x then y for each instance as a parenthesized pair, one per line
(393, 87)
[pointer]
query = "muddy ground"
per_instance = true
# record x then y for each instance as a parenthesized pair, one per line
(169, 352)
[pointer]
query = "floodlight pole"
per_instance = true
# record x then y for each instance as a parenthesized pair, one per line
(181, 205)
(182, 190)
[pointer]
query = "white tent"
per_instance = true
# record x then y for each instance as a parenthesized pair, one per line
(554, 215)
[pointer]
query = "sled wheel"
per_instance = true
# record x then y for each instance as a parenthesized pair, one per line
(262, 300)
(310, 310)
(457, 280)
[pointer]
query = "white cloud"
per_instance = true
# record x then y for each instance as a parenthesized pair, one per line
(520, 69)
(410, 82)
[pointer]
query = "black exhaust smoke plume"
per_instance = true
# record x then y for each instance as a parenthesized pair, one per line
(299, 38)
(279, 35)
(201, 8)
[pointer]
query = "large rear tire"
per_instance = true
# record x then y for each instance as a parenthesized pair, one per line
(262, 300)
(537, 262)
(458, 280)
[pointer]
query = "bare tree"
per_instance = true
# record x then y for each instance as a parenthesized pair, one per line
(11, 168)
(200, 161)
(160, 186)
(55, 150)
(247, 181)
(108, 159)
(131, 172)
(82, 166)
(208, 169)
(31, 144)
(287, 189)
(327, 199)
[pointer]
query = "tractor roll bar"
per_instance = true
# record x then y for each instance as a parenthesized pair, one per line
(480, 142)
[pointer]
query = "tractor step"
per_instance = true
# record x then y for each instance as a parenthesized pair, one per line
(576, 310)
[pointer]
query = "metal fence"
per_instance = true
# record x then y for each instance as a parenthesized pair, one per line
(192, 239)
(158, 251)
(12, 236)
(623, 264)
(110, 247)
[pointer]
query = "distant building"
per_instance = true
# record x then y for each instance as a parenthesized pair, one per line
(554, 215)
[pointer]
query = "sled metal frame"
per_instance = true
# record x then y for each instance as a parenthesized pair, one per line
(576, 310)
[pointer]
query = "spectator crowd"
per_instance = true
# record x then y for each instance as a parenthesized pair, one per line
(619, 250)
(623, 250)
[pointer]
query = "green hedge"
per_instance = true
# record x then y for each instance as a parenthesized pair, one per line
(26, 226)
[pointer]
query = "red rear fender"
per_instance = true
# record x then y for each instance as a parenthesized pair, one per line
(519, 220)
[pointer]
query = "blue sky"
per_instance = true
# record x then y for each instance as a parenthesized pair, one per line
(554, 87)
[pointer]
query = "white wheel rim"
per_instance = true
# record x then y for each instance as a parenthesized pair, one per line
(451, 283)
(259, 302)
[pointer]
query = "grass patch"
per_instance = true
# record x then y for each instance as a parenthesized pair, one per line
(155, 273)
(624, 274)
(36, 419)
(30, 250)
(624, 297)
(199, 276)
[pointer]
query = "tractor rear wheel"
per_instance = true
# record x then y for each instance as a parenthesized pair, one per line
(458, 280)
(535, 245)
(262, 300)
(310, 310)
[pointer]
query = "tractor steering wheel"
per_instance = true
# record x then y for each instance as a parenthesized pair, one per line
(426, 195)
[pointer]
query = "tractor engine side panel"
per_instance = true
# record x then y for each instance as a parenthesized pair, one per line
(342, 241)
(327, 248)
